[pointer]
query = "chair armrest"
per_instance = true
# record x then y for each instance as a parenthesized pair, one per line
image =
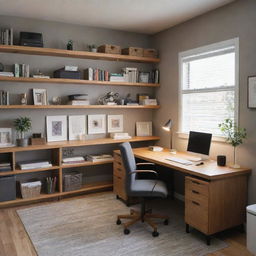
(144, 171)
(141, 164)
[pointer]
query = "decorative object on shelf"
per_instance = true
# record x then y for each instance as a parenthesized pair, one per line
(22, 125)
(115, 123)
(56, 128)
(112, 49)
(50, 184)
(141, 97)
(221, 160)
(130, 75)
(143, 128)
(31, 39)
(96, 124)
(251, 103)
(30, 189)
(6, 36)
(92, 47)
(78, 99)
(168, 127)
(6, 137)
(234, 136)
(70, 45)
(4, 98)
(144, 77)
(133, 51)
(56, 100)
(40, 96)
(37, 139)
(76, 127)
(62, 73)
(23, 99)
(70, 68)
(1, 67)
(110, 98)
(67, 152)
(149, 102)
(39, 74)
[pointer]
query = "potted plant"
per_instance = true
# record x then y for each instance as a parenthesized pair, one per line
(92, 48)
(22, 125)
(234, 136)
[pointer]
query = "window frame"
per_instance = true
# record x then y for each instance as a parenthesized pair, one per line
(201, 50)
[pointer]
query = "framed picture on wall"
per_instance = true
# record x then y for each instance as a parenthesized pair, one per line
(143, 128)
(40, 96)
(115, 123)
(251, 92)
(6, 137)
(56, 127)
(76, 127)
(96, 124)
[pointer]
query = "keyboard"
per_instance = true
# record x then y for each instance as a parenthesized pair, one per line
(179, 160)
(193, 158)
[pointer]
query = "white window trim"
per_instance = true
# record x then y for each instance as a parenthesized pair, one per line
(196, 51)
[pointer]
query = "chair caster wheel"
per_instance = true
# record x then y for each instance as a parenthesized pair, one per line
(126, 231)
(166, 222)
(155, 234)
(118, 222)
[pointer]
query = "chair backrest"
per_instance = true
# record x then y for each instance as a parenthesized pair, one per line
(129, 165)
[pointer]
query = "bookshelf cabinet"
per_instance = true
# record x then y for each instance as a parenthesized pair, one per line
(55, 152)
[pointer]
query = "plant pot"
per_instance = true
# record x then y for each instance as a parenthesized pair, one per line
(22, 142)
(94, 50)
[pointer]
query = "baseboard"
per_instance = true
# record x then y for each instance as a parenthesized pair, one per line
(179, 196)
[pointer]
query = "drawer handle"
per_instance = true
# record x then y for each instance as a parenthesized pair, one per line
(196, 203)
(119, 162)
(196, 182)
(119, 169)
(195, 192)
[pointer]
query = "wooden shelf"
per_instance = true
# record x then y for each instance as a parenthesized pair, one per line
(77, 143)
(72, 81)
(86, 163)
(17, 171)
(74, 54)
(78, 107)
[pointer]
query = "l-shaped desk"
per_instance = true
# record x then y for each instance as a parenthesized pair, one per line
(215, 197)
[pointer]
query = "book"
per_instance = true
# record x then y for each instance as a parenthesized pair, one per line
(4, 98)
(71, 68)
(4, 73)
(120, 135)
(26, 165)
(150, 102)
(99, 158)
(73, 159)
(16, 70)
(79, 102)
(41, 76)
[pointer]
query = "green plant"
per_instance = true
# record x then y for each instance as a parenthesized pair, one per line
(22, 125)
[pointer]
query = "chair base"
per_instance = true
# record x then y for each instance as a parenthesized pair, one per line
(136, 216)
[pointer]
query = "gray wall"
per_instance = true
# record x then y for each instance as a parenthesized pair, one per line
(234, 20)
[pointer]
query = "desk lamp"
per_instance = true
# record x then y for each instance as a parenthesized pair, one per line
(168, 127)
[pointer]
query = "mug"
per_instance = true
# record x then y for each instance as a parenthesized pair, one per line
(221, 160)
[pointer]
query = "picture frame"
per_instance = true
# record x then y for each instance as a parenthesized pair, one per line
(76, 127)
(251, 91)
(115, 123)
(96, 124)
(144, 77)
(143, 129)
(40, 96)
(6, 137)
(141, 97)
(56, 127)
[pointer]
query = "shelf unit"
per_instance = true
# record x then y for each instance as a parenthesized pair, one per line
(56, 152)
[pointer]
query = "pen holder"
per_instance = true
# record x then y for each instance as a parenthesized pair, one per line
(221, 160)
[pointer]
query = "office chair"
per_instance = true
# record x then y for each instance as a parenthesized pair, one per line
(141, 188)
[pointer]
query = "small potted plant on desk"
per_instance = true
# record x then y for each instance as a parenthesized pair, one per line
(234, 136)
(22, 125)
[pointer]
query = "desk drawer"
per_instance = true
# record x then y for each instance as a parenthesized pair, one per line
(118, 170)
(119, 187)
(197, 186)
(118, 158)
(196, 215)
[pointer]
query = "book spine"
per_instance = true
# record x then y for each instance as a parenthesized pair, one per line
(11, 36)
(16, 70)
(6, 37)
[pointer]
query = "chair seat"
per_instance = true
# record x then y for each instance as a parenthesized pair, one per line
(143, 188)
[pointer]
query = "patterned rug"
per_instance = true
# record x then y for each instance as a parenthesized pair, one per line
(87, 227)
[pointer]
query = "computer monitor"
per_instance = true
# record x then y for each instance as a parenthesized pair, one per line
(199, 142)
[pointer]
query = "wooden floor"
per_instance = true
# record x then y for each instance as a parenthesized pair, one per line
(14, 240)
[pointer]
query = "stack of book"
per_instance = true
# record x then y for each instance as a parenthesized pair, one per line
(120, 136)
(4, 98)
(73, 160)
(149, 102)
(6, 36)
(78, 99)
(99, 158)
(115, 77)
(21, 70)
(5, 167)
(96, 74)
(3, 73)
(130, 75)
(27, 165)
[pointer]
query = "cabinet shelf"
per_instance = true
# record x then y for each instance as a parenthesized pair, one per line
(78, 107)
(75, 54)
(73, 81)
(17, 171)
(86, 163)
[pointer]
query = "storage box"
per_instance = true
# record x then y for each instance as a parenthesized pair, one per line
(7, 188)
(62, 73)
(30, 189)
(152, 53)
(72, 181)
(133, 51)
(108, 48)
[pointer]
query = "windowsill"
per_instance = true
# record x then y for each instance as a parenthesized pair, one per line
(220, 139)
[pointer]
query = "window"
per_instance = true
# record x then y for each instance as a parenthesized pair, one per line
(208, 87)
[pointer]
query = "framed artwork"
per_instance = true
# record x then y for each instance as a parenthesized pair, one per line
(96, 124)
(251, 92)
(6, 137)
(40, 96)
(76, 127)
(144, 77)
(144, 128)
(56, 128)
(115, 123)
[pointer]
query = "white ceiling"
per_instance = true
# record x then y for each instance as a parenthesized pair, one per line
(143, 16)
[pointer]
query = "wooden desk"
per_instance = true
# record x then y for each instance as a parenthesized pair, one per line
(215, 197)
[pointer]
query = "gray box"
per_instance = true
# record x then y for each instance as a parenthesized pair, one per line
(7, 188)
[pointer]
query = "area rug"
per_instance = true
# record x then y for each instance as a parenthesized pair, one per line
(87, 227)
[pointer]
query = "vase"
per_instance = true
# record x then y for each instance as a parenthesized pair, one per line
(22, 142)
(235, 165)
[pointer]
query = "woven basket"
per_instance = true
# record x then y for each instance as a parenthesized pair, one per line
(72, 181)
(30, 189)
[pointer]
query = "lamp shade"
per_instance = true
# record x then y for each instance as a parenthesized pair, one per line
(168, 125)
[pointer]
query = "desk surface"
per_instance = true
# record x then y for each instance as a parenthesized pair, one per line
(209, 170)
